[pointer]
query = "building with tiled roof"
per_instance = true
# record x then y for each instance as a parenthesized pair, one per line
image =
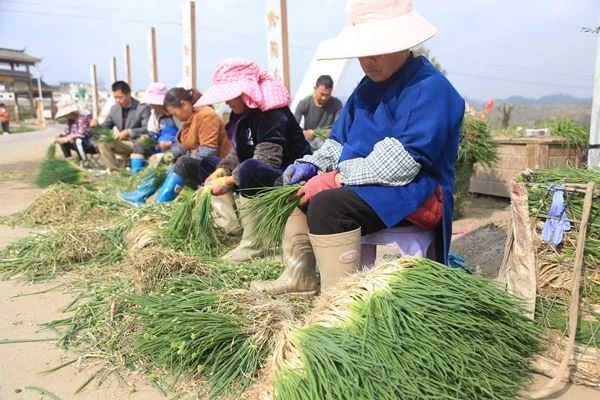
(17, 84)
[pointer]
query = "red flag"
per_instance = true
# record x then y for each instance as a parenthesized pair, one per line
(487, 110)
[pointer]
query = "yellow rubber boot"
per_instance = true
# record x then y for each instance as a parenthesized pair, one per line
(224, 214)
(337, 255)
(299, 276)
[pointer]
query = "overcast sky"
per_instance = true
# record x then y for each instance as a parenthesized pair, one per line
(490, 48)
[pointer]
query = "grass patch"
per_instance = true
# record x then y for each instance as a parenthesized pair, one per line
(17, 176)
(22, 129)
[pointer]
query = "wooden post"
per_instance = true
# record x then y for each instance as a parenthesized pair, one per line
(113, 70)
(284, 45)
(152, 55)
(17, 111)
(277, 40)
(29, 89)
(594, 147)
(188, 22)
(94, 81)
(128, 66)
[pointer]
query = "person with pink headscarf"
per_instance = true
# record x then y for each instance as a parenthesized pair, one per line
(266, 138)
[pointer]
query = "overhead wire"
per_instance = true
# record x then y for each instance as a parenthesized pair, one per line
(85, 7)
(301, 47)
(97, 17)
(494, 78)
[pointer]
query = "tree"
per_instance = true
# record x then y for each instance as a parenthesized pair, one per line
(506, 110)
(591, 30)
(422, 51)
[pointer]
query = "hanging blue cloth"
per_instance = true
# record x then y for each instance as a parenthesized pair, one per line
(557, 222)
(456, 261)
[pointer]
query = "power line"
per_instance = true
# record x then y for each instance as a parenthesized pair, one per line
(493, 78)
(521, 68)
(79, 6)
(245, 35)
(97, 17)
(198, 26)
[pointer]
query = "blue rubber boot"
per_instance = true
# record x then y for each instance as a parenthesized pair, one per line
(137, 163)
(144, 190)
(170, 188)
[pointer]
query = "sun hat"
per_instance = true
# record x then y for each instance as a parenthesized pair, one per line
(66, 107)
(235, 77)
(375, 27)
(155, 94)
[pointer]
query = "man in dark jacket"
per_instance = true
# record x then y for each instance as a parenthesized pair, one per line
(131, 119)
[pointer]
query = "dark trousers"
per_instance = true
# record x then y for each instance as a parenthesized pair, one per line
(195, 170)
(86, 148)
(341, 210)
(255, 174)
(5, 126)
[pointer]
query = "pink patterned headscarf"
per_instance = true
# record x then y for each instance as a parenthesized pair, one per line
(235, 77)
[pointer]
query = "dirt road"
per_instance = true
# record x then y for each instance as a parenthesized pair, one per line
(25, 307)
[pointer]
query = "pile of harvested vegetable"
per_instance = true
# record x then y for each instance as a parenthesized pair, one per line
(555, 268)
(153, 297)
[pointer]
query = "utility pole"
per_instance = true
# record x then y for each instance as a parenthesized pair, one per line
(153, 67)
(128, 66)
(188, 23)
(94, 82)
(277, 40)
(113, 70)
(40, 104)
(594, 145)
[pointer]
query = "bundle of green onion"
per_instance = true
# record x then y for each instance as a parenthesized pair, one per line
(272, 206)
(411, 329)
(62, 204)
(147, 142)
(476, 145)
(555, 264)
(54, 171)
(191, 226)
(102, 134)
(41, 256)
(576, 135)
(226, 336)
(153, 176)
(322, 132)
(476, 142)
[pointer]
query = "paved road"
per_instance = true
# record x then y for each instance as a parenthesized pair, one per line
(23, 152)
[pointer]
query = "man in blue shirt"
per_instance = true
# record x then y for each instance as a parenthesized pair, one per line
(390, 158)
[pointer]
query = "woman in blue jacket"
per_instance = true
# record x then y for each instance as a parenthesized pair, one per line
(390, 157)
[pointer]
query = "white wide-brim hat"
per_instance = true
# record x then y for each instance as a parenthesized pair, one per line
(66, 108)
(375, 27)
